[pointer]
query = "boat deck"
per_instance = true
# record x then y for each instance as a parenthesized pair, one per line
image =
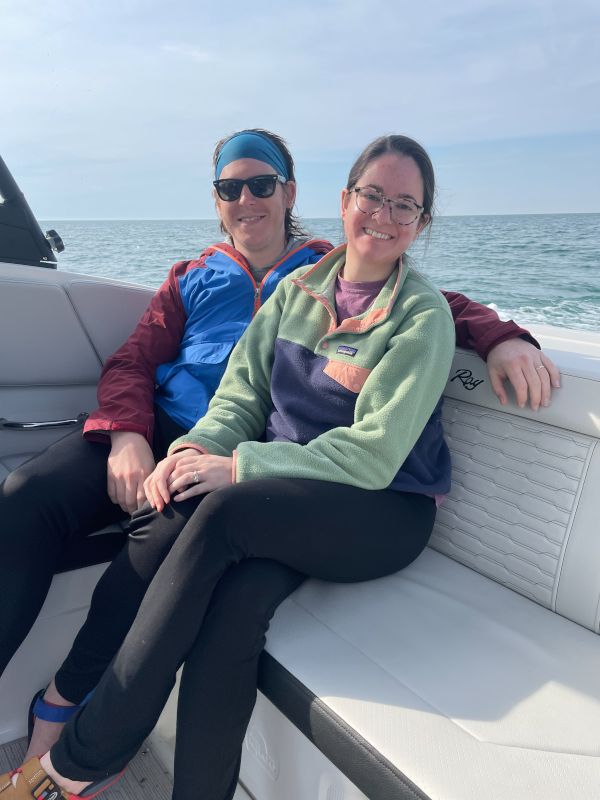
(145, 779)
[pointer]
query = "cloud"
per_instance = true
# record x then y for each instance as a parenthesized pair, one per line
(187, 51)
(141, 83)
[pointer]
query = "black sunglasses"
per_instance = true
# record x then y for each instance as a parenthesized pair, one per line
(261, 186)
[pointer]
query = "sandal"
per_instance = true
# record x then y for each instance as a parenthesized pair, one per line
(48, 712)
(33, 783)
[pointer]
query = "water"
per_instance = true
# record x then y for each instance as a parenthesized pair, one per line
(533, 269)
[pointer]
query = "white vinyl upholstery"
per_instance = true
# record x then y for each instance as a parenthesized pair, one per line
(516, 484)
(470, 689)
(56, 330)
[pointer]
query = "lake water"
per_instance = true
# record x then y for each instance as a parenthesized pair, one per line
(535, 268)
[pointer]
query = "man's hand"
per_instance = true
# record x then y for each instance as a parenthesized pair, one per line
(531, 373)
(130, 462)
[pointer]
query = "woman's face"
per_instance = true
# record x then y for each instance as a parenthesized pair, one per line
(375, 239)
(256, 225)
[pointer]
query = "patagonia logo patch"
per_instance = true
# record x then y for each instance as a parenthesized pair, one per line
(347, 351)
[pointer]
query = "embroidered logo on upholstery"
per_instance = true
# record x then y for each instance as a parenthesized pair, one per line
(465, 376)
(347, 351)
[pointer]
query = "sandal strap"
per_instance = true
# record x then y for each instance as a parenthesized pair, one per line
(50, 713)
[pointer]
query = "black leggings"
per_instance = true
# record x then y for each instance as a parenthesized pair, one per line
(46, 506)
(221, 568)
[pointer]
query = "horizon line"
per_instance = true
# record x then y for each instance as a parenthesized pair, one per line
(337, 218)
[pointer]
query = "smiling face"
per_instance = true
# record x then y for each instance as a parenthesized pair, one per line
(375, 242)
(256, 225)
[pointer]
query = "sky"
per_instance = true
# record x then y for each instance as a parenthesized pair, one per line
(110, 110)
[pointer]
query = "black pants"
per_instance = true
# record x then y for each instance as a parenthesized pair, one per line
(46, 506)
(221, 568)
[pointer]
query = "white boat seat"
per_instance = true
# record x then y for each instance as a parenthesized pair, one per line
(59, 328)
(440, 678)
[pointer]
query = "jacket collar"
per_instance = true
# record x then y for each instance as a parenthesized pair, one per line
(316, 245)
(319, 282)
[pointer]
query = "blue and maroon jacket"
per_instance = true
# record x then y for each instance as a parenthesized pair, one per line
(178, 351)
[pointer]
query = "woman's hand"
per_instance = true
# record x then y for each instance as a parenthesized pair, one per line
(200, 474)
(185, 474)
(129, 464)
(529, 370)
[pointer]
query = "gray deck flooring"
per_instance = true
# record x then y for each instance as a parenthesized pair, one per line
(144, 779)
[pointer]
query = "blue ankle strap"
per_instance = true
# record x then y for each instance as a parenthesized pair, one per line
(43, 710)
(50, 713)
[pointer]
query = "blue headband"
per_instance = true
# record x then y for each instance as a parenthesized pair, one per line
(248, 144)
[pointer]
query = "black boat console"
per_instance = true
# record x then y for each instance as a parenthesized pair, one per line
(22, 241)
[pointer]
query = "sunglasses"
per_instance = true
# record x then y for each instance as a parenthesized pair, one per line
(261, 186)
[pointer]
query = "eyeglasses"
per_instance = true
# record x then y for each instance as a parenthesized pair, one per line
(262, 186)
(370, 201)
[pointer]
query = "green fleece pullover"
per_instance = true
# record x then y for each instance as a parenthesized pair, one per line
(385, 368)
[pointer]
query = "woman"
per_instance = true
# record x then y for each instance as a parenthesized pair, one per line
(152, 390)
(343, 369)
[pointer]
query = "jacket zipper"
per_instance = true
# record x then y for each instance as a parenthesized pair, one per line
(257, 290)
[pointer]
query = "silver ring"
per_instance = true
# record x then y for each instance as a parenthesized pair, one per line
(541, 366)
(196, 477)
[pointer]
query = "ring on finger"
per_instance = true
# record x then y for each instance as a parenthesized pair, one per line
(541, 366)
(196, 477)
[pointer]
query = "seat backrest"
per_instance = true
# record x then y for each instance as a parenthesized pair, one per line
(56, 330)
(524, 508)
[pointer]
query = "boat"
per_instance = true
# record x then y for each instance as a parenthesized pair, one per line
(474, 673)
